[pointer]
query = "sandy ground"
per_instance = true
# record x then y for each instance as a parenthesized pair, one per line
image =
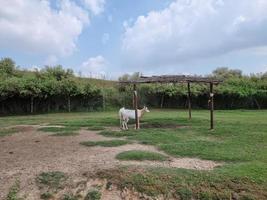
(26, 154)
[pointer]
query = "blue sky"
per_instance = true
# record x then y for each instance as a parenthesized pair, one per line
(112, 37)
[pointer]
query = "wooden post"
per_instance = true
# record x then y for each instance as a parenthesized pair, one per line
(189, 100)
(211, 107)
(135, 108)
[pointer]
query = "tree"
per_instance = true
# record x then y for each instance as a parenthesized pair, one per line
(128, 77)
(68, 88)
(135, 75)
(50, 89)
(89, 93)
(9, 87)
(224, 72)
(7, 66)
(124, 77)
(31, 87)
(57, 72)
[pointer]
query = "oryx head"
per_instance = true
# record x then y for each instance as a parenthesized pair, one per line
(146, 109)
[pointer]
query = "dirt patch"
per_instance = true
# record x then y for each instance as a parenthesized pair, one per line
(186, 163)
(34, 152)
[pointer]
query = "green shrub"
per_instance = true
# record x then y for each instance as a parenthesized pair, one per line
(53, 180)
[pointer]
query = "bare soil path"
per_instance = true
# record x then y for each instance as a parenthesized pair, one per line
(27, 153)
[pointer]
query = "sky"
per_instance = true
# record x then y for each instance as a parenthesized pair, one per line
(107, 38)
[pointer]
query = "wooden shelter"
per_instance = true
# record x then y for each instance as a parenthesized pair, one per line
(176, 79)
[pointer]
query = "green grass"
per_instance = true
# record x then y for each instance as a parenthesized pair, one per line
(93, 195)
(184, 184)
(108, 143)
(51, 129)
(46, 196)
(96, 128)
(69, 197)
(53, 180)
(13, 192)
(239, 140)
(77, 119)
(141, 155)
(60, 131)
(184, 193)
(66, 133)
(7, 131)
(117, 133)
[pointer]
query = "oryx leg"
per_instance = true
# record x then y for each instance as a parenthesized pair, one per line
(126, 123)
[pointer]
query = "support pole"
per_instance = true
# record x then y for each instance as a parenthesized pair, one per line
(137, 126)
(211, 107)
(189, 100)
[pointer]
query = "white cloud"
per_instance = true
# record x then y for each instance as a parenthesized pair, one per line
(105, 38)
(94, 67)
(194, 29)
(34, 26)
(96, 6)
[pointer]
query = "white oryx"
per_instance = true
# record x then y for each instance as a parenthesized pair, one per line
(126, 114)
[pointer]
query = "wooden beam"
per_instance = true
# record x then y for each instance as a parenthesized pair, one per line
(189, 100)
(137, 126)
(173, 79)
(211, 101)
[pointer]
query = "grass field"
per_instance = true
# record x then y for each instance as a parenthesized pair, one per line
(109, 143)
(239, 141)
(141, 155)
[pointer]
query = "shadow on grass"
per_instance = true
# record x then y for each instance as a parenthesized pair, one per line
(141, 155)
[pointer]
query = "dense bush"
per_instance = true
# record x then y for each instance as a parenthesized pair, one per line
(55, 89)
(51, 89)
